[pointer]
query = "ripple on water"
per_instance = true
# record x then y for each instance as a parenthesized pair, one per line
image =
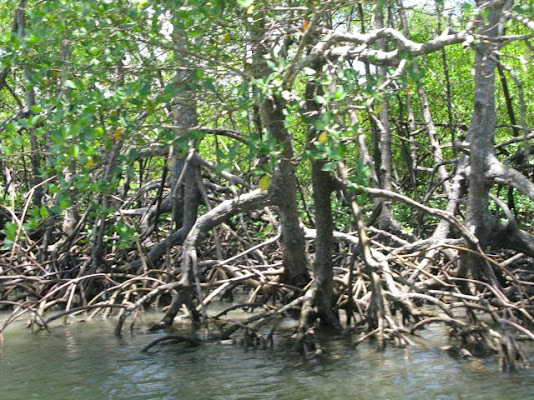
(86, 361)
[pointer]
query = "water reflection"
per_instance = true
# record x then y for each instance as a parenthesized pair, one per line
(86, 361)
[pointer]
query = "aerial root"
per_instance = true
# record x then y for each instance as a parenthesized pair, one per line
(387, 298)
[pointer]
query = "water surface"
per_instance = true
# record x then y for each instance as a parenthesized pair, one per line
(86, 361)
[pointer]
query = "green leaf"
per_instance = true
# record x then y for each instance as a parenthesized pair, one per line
(264, 182)
(70, 84)
(64, 203)
(319, 100)
(329, 166)
(245, 3)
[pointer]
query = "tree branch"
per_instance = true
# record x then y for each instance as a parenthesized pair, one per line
(505, 175)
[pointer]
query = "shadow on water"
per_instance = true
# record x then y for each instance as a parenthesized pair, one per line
(86, 361)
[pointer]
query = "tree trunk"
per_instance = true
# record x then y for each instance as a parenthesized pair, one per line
(385, 218)
(323, 186)
(481, 134)
(322, 266)
(183, 170)
(284, 191)
(482, 129)
(284, 182)
(35, 156)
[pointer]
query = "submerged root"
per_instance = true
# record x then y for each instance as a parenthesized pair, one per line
(193, 341)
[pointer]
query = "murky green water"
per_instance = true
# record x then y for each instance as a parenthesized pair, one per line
(85, 361)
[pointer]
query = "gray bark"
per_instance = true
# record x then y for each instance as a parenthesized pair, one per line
(284, 182)
(482, 127)
(384, 221)
(284, 192)
(323, 186)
